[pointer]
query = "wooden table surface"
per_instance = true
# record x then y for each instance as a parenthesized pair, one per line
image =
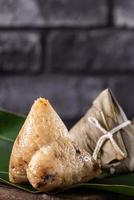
(7, 192)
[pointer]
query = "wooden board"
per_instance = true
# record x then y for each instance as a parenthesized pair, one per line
(11, 193)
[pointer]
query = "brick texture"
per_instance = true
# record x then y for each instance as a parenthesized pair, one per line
(73, 13)
(84, 51)
(20, 52)
(67, 51)
(123, 13)
(19, 13)
(70, 96)
(42, 13)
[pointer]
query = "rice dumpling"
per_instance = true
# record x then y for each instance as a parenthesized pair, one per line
(44, 154)
(116, 153)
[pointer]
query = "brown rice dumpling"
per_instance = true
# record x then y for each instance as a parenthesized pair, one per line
(116, 154)
(44, 155)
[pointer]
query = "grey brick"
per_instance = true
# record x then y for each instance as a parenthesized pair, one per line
(90, 51)
(123, 12)
(70, 96)
(19, 13)
(52, 13)
(123, 88)
(77, 12)
(19, 52)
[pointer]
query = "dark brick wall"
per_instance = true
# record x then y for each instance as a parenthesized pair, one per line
(67, 51)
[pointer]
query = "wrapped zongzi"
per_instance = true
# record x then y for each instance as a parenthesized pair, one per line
(94, 132)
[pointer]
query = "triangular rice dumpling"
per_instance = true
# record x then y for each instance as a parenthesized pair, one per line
(44, 155)
(41, 127)
(106, 110)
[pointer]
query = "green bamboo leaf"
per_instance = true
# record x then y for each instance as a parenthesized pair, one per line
(10, 124)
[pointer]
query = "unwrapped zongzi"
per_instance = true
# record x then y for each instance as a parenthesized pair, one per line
(44, 155)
